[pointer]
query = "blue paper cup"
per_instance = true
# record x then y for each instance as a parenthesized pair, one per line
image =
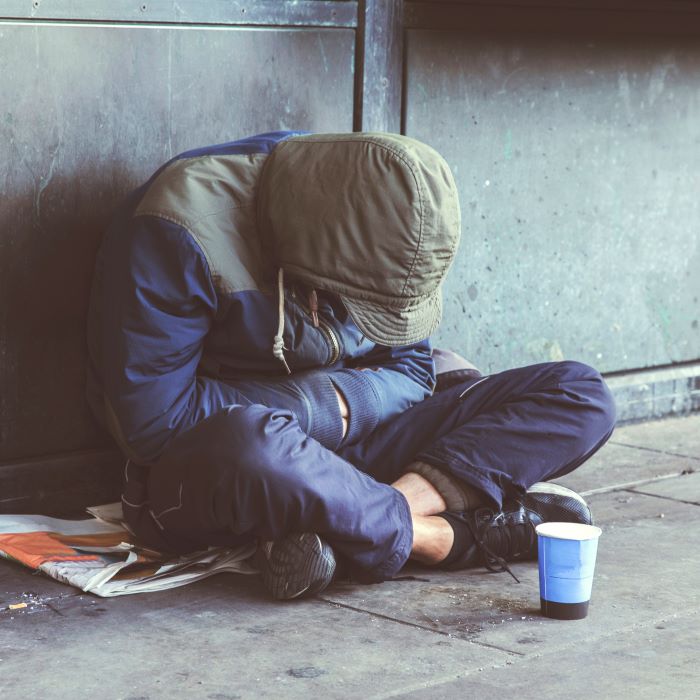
(566, 556)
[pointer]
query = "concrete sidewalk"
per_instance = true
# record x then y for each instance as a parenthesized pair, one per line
(434, 635)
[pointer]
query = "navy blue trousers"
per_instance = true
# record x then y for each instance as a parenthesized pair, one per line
(250, 471)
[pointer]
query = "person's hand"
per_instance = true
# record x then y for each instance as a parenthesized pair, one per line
(344, 412)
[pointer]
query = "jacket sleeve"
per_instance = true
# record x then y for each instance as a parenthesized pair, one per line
(158, 303)
(387, 382)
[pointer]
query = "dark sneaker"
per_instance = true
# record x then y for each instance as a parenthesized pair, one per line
(510, 534)
(295, 566)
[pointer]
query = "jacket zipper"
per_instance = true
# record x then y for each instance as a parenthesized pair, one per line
(325, 328)
(335, 344)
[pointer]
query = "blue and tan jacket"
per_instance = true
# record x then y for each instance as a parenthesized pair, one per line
(185, 307)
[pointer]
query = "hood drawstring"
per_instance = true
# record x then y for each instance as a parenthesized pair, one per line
(278, 344)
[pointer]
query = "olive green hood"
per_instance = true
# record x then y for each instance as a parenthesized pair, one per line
(371, 217)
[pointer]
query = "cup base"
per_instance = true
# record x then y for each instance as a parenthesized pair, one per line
(564, 611)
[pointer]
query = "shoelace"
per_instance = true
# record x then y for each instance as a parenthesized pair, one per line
(511, 539)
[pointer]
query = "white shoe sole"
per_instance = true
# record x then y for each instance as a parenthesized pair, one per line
(556, 489)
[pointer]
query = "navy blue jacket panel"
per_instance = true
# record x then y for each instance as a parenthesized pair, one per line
(184, 309)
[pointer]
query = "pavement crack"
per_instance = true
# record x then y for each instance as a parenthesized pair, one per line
(55, 609)
(483, 672)
(415, 625)
(653, 449)
(627, 485)
(665, 498)
(512, 652)
(387, 617)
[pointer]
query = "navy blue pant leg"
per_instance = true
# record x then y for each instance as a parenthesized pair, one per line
(501, 433)
(251, 471)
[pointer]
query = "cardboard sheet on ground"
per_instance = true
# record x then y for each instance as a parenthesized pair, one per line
(99, 555)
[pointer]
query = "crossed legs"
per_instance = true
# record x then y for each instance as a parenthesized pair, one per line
(252, 472)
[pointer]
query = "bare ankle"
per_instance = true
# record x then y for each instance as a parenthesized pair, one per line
(423, 498)
(432, 539)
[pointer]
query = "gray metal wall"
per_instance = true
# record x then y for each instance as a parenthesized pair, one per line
(88, 112)
(578, 163)
(576, 153)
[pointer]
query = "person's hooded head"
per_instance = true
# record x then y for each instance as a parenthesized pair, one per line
(373, 218)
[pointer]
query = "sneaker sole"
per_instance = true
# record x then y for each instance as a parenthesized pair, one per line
(298, 565)
(573, 509)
